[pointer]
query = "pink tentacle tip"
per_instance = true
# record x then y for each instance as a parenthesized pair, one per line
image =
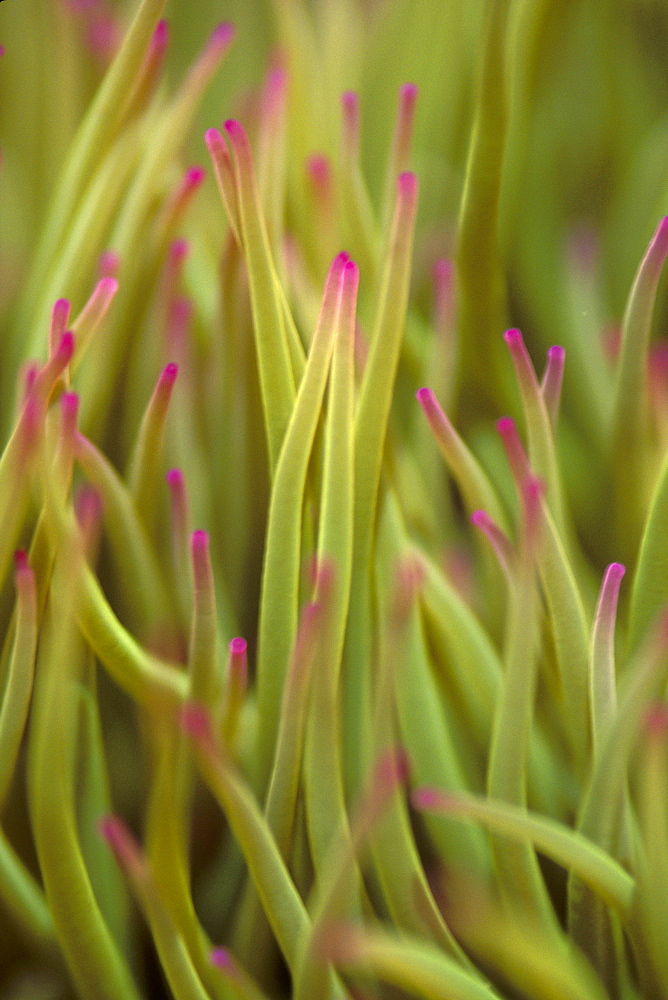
(69, 407)
(407, 185)
(238, 646)
(65, 349)
(393, 768)
(108, 265)
(21, 564)
(319, 169)
(615, 572)
(236, 131)
(274, 90)
(60, 313)
(656, 720)
(214, 140)
(113, 830)
(195, 721)
(221, 958)
(513, 338)
(506, 427)
(443, 272)
(351, 274)
(168, 374)
(427, 799)
(88, 505)
(222, 36)
(178, 251)
(175, 479)
(556, 354)
(160, 39)
(193, 178)
(2, 51)
(408, 93)
(350, 102)
(199, 543)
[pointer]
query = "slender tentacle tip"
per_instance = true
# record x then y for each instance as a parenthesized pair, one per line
(117, 835)
(60, 315)
(238, 660)
(21, 564)
(428, 799)
(88, 506)
(193, 178)
(392, 770)
(108, 265)
(515, 453)
(160, 39)
(656, 721)
(178, 251)
(427, 400)
(221, 37)
(168, 376)
(319, 171)
(222, 959)
(407, 186)
(196, 722)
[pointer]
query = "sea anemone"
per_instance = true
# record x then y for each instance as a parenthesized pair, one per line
(312, 680)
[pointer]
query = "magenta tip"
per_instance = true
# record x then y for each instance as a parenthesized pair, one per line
(195, 720)
(109, 829)
(179, 250)
(319, 169)
(175, 477)
(161, 35)
(194, 177)
(350, 101)
(616, 570)
(234, 129)
(88, 504)
(238, 646)
(170, 372)
(276, 81)
(505, 426)
(426, 798)
(222, 35)
(407, 184)
(213, 139)
(221, 958)
(200, 541)
(351, 271)
(512, 337)
(425, 396)
(2, 51)
(113, 830)
(556, 353)
(66, 346)
(109, 264)
(479, 517)
(61, 307)
(443, 269)
(107, 286)
(408, 93)
(21, 561)
(656, 719)
(69, 404)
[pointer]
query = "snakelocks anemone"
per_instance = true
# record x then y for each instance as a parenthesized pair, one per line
(333, 594)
